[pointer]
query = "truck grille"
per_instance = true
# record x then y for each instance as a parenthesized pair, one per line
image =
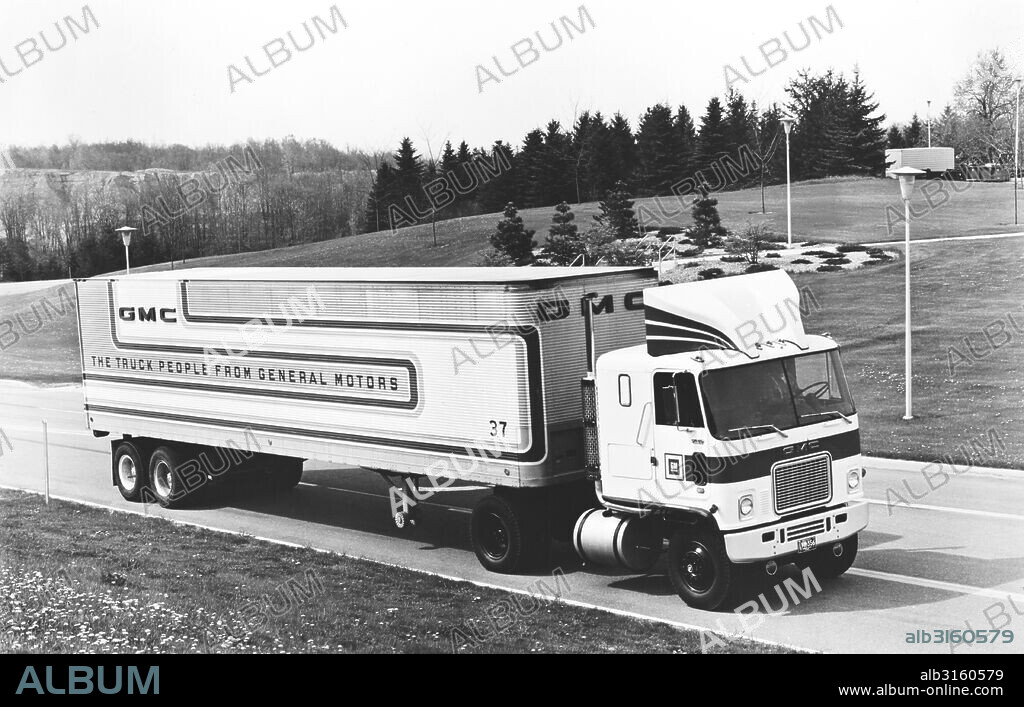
(802, 482)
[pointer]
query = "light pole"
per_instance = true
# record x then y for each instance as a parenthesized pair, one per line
(787, 125)
(1016, 152)
(126, 238)
(907, 175)
(929, 123)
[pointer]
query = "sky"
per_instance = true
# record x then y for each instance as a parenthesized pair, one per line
(161, 71)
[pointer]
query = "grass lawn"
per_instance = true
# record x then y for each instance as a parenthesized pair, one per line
(79, 580)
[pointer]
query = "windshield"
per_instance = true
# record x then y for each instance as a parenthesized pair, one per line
(759, 398)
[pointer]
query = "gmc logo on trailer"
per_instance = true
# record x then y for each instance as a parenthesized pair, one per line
(631, 301)
(141, 314)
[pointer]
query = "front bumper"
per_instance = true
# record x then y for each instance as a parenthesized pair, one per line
(827, 526)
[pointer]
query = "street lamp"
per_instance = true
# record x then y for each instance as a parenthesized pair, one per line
(126, 237)
(929, 123)
(1016, 152)
(907, 175)
(787, 124)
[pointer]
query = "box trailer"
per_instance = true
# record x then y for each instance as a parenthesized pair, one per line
(933, 160)
(599, 407)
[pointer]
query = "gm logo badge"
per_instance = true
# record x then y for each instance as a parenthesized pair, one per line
(802, 448)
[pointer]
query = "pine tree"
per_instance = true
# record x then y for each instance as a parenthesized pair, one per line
(530, 165)
(408, 173)
(708, 231)
(564, 244)
(512, 238)
(713, 139)
(894, 138)
(617, 214)
(912, 133)
(556, 168)
(866, 128)
(621, 151)
(382, 195)
(658, 151)
(687, 136)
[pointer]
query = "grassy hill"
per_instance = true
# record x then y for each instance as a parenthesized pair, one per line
(848, 209)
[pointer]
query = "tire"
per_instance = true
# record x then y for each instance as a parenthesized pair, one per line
(699, 568)
(130, 469)
(508, 534)
(826, 565)
(165, 479)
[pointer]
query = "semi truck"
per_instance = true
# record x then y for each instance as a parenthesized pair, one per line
(694, 421)
(935, 161)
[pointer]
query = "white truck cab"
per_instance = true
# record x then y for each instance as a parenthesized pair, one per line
(731, 432)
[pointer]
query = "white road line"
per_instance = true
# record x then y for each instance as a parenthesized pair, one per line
(947, 509)
(937, 584)
(454, 578)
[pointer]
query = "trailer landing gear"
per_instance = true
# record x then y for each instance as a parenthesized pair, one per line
(402, 494)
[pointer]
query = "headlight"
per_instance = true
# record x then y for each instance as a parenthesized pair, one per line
(853, 480)
(746, 506)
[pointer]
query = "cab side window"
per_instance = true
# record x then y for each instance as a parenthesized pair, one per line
(675, 400)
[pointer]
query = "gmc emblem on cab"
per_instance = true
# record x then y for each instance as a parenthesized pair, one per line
(803, 447)
(141, 314)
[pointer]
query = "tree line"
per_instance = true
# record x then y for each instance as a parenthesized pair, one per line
(255, 196)
(734, 144)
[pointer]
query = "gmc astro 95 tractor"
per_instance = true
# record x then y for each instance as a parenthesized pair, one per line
(707, 418)
(731, 433)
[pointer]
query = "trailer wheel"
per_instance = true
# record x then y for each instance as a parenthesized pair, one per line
(164, 478)
(699, 568)
(827, 566)
(130, 470)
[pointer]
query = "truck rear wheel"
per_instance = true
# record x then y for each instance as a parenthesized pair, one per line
(131, 467)
(508, 533)
(699, 568)
(165, 480)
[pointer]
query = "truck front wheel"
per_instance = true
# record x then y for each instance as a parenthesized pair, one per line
(698, 567)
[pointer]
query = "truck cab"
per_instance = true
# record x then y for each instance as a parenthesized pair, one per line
(733, 433)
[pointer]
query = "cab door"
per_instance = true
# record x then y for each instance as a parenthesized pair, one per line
(679, 433)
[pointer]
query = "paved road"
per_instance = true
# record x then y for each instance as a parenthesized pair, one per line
(945, 559)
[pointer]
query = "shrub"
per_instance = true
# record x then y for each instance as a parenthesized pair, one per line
(690, 265)
(801, 261)
(760, 267)
(829, 268)
(851, 248)
(772, 255)
(711, 273)
(690, 253)
(837, 261)
(811, 241)
(875, 251)
(823, 253)
(733, 259)
(874, 262)
(669, 231)
(881, 256)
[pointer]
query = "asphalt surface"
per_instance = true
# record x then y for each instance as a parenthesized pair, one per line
(951, 557)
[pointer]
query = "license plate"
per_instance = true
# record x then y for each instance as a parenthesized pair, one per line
(805, 544)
